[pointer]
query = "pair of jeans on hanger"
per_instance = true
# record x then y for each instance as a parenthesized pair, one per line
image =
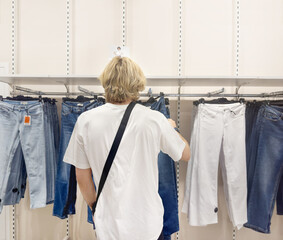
(265, 168)
(66, 184)
(218, 135)
(167, 180)
(16, 131)
(17, 179)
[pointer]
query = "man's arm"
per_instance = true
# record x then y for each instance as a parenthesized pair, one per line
(186, 153)
(84, 179)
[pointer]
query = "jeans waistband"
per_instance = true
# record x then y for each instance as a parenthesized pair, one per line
(19, 105)
(222, 107)
(78, 107)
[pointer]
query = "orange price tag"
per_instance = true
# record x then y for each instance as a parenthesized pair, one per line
(27, 120)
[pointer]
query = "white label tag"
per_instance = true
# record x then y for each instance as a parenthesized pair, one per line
(80, 104)
(24, 103)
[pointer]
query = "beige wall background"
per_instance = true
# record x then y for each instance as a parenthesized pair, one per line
(152, 35)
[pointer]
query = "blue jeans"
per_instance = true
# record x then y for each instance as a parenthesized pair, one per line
(268, 169)
(17, 179)
(253, 124)
(14, 189)
(167, 181)
(50, 152)
(31, 138)
(66, 184)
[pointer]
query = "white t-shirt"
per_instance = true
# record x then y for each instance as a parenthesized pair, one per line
(129, 207)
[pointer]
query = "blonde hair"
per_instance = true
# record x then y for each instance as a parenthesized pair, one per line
(122, 79)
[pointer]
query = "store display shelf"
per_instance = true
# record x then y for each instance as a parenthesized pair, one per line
(151, 80)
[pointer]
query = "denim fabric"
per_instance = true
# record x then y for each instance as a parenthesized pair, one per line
(66, 184)
(18, 182)
(14, 190)
(50, 153)
(251, 116)
(167, 181)
(268, 169)
(252, 144)
(56, 128)
(32, 142)
(280, 198)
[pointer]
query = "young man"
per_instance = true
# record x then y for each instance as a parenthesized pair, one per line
(129, 207)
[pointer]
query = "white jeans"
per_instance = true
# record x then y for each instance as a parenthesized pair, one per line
(217, 126)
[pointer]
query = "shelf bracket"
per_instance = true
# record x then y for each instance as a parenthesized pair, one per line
(68, 89)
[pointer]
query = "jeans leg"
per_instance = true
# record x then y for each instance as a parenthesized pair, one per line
(279, 200)
(63, 169)
(9, 142)
(234, 165)
(167, 181)
(34, 154)
(268, 171)
(13, 189)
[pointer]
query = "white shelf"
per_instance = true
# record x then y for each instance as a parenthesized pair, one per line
(151, 80)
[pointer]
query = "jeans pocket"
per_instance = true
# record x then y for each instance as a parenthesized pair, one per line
(237, 114)
(66, 111)
(5, 112)
(271, 116)
(35, 111)
(208, 114)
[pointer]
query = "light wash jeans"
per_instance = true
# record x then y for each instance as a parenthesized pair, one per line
(31, 137)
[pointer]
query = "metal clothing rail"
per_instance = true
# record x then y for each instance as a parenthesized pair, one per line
(182, 95)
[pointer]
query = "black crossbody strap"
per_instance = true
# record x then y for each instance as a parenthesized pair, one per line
(113, 151)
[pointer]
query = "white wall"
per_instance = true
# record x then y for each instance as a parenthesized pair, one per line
(208, 49)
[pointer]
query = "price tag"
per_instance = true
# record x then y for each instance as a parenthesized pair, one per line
(27, 121)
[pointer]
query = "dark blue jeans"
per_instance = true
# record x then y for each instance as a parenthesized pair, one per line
(253, 123)
(167, 182)
(66, 184)
(268, 168)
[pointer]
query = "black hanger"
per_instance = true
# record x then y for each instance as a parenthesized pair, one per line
(218, 101)
(167, 101)
(22, 98)
(1, 98)
(53, 101)
(276, 102)
(201, 100)
(79, 98)
(160, 95)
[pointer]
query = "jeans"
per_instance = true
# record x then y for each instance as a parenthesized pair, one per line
(216, 127)
(14, 187)
(167, 181)
(66, 184)
(17, 179)
(50, 152)
(268, 169)
(13, 132)
(253, 123)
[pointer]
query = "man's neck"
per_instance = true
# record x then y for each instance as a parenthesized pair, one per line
(122, 103)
